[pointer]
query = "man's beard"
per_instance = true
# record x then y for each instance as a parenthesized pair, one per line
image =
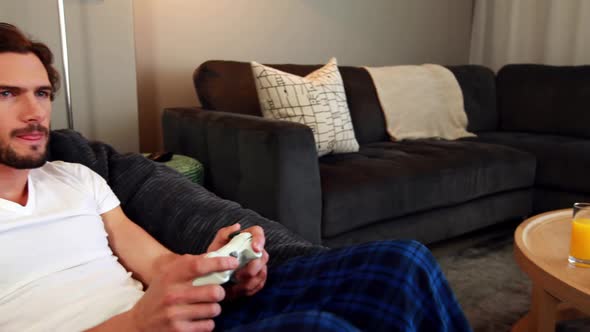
(11, 158)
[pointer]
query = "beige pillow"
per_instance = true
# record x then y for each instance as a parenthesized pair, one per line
(317, 100)
(422, 101)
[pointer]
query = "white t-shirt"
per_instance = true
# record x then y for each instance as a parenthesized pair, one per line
(57, 271)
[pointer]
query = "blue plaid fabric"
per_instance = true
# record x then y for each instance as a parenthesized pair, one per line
(378, 286)
(299, 321)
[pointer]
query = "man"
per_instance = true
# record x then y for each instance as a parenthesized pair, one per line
(66, 248)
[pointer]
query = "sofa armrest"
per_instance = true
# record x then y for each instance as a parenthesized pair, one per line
(268, 166)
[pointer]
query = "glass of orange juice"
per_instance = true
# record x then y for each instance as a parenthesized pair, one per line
(580, 240)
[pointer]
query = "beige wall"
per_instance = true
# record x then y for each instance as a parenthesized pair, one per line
(102, 63)
(174, 36)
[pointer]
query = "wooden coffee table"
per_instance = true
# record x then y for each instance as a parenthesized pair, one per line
(560, 291)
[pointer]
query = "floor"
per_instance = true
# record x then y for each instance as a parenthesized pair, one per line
(449, 247)
(488, 283)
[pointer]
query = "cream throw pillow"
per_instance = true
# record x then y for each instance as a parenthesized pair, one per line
(420, 102)
(317, 100)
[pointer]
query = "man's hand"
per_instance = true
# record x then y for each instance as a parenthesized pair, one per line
(252, 277)
(172, 303)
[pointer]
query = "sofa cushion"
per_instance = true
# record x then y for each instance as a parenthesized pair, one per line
(544, 99)
(478, 84)
(392, 179)
(562, 161)
(317, 100)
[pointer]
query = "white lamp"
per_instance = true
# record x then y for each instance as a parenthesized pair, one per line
(64, 53)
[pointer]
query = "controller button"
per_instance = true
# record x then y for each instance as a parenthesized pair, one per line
(232, 235)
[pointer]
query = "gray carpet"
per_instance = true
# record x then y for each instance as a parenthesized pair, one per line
(490, 287)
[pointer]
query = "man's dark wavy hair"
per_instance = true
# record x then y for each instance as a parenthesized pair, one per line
(14, 41)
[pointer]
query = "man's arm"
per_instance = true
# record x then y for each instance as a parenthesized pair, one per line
(170, 303)
(138, 251)
(145, 257)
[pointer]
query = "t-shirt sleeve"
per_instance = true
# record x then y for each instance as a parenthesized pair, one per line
(104, 196)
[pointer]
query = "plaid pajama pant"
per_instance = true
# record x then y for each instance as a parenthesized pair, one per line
(377, 286)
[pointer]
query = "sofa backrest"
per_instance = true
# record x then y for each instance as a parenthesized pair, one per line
(479, 96)
(229, 86)
(544, 99)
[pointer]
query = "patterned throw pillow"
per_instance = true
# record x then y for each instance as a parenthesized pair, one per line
(317, 100)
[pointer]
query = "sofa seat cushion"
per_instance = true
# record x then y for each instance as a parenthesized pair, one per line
(562, 161)
(391, 179)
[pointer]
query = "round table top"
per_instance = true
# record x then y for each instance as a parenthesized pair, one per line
(541, 250)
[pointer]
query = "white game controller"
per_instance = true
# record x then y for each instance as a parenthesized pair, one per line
(239, 247)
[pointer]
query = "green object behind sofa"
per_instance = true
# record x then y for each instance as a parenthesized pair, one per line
(189, 167)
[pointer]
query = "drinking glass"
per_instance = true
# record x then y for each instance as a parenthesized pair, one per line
(580, 240)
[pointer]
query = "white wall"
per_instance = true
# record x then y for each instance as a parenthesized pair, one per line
(174, 36)
(102, 63)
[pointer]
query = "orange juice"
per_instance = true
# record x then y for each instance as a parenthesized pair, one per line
(580, 242)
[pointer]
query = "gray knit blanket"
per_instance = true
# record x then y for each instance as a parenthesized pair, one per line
(181, 215)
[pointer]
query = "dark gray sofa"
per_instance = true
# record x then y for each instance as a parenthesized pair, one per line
(180, 214)
(427, 190)
(545, 110)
